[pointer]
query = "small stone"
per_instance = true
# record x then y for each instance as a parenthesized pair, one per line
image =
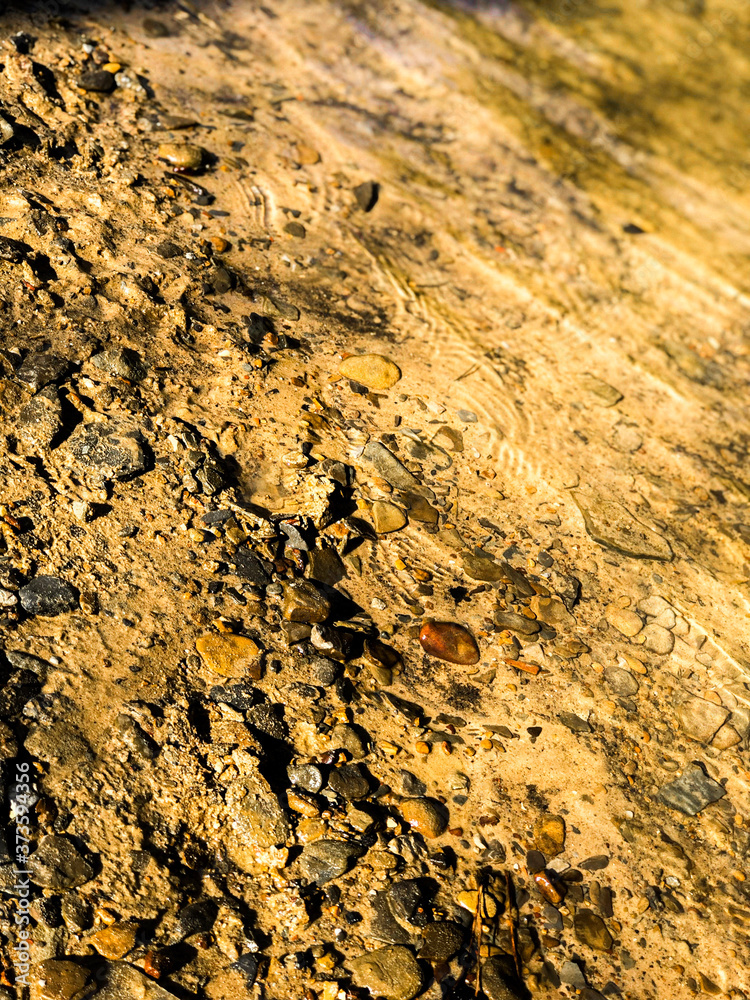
(701, 719)
(391, 973)
(691, 792)
(625, 438)
(295, 229)
(600, 392)
(308, 777)
(516, 623)
(153, 28)
(324, 860)
(571, 974)
(595, 863)
(626, 622)
(121, 362)
(115, 941)
(549, 835)
(349, 782)
(367, 195)
(335, 643)
(42, 368)
(387, 517)
(372, 370)
(427, 816)
(497, 979)
(257, 820)
(182, 155)
(574, 722)
(306, 155)
(441, 941)
(56, 864)
(110, 449)
(552, 612)
(97, 81)
(621, 681)
(450, 642)
(325, 566)
(40, 421)
(251, 567)
(230, 655)
(304, 602)
(350, 738)
(56, 979)
(726, 737)
(48, 596)
(591, 930)
(478, 565)
(324, 671)
(167, 249)
(612, 525)
(135, 738)
(389, 467)
(658, 639)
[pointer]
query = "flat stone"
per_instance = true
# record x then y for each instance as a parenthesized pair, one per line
(56, 979)
(726, 737)
(387, 517)
(626, 622)
(691, 792)
(115, 941)
(392, 973)
(389, 467)
(48, 596)
(514, 622)
(441, 941)
(383, 925)
(498, 978)
(574, 722)
(366, 195)
(349, 782)
(601, 392)
(325, 566)
(552, 612)
(372, 370)
(42, 368)
(182, 155)
(258, 820)
(570, 973)
(40, 421)
(61, 744)
(450, 642)
(230, 655)
(324, 860)
(295, 229)
(621, 681)
(549, 835)
(57, 864)
(110, 449)
(612, 525)
(658, 639)
(305, 602)
(478, 565)
(251, 567)
(122, 981)
(590, 929)
(353, 739)
(595, 863)
(420, 509)
(625, 438)
(121, 362)
(701, 719)
(427, 816)
(97, 81)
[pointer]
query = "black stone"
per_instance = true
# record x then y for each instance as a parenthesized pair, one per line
(252, 568)
(39, 369)
(98, 81)
(167, 249)
(367, 195)
(48, 596)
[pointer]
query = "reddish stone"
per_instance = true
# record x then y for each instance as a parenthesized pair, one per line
(450, 642)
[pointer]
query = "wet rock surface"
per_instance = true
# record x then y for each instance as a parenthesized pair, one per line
(373, 522)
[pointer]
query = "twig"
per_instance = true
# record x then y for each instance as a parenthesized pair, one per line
(477, 935)
(511, 925)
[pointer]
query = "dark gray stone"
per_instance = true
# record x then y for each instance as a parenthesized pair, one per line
(38, 370)
(40, 421)
(57, 864)
(109, 449)
(691, 792)
(121, 362)
(48, 596)
(324, 860)
(349, 782)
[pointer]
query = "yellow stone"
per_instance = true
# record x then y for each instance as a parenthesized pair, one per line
(469, 901)
(114, 942)
(230, 655)
(372, 370)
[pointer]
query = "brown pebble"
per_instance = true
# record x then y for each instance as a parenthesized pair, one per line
(182, 155)
(230, 655)
(450, 642)
(426, 816)
(549, 835)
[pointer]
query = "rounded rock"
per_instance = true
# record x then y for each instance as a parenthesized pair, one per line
(182, 155)
(48, 596)
(626, 622)
(549, 835)
(374, 371)
(426, 816)
(392, 973)
(450, 642)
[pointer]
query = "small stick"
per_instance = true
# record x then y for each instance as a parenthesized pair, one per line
(529, 668)
(477, 934)
(511, 924)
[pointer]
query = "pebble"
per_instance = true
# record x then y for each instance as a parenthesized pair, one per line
(349, 782)
(97, 81)
(110, 448)
(350, 738)
(497, 976)
(230, 655)
(48, 596)
(114, 942)
(626, 622)
(295, 229)
(324, 860)
(57, 864)
(167, 249)
(701, 719)
(479, 565)
(602, 393)
(305, 602)
(40, 421)
(389, 467)
(391, 973)
(56, 979)
(516, 623)
(658, 639)
(257, 820)
(570, 973)
(621, 681)
(590, 929)
(182, 155)
(324, 671)
(427, 816)
(372, 370)
(549, 835)
(121, 362)
(387, 517)
(40, 369)
(450, 642)
(625, 438)
(308, 777)
(367, 194)
(338, 644)
(441, 941)
(692, 791)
